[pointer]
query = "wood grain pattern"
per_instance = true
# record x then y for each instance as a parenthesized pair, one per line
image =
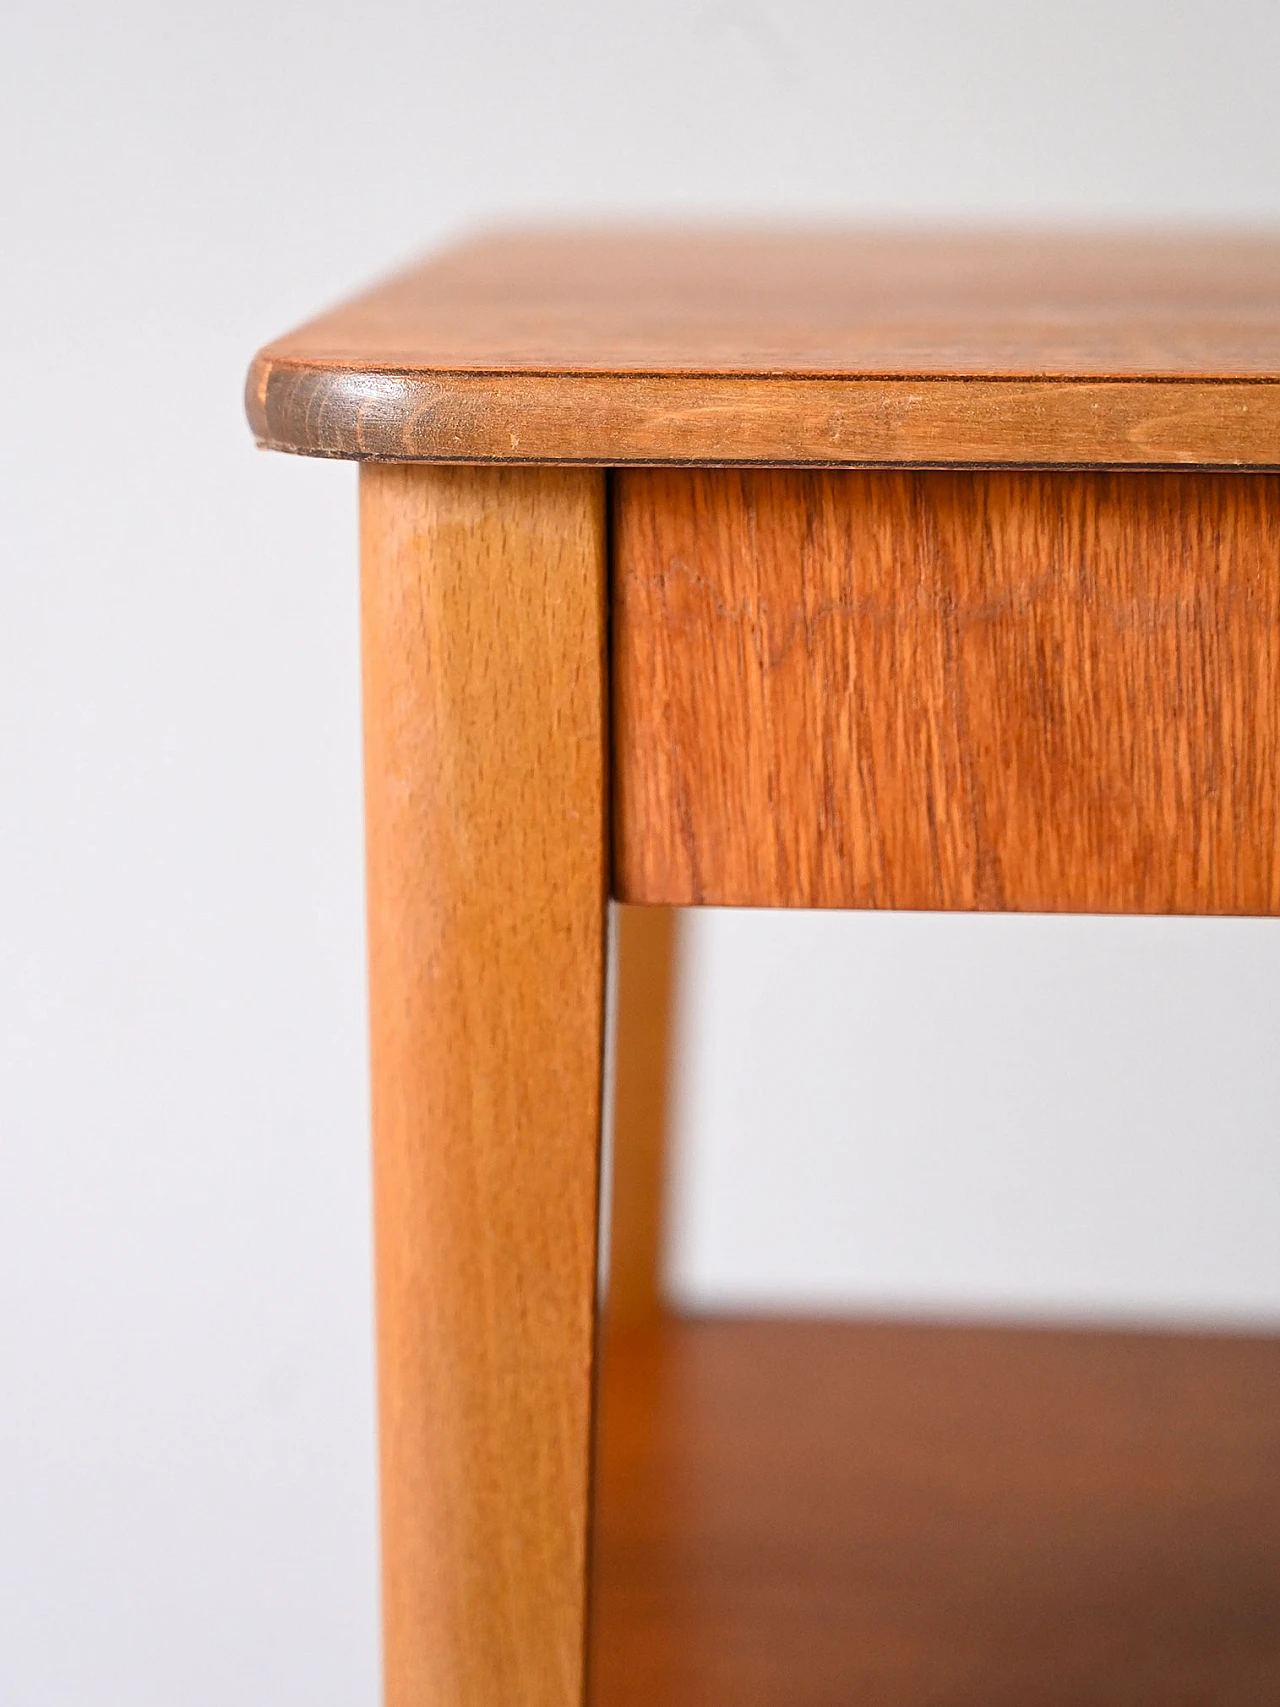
(485, 771)
(820, 1513)
(948, 690)
(647, 949)
(818, 347)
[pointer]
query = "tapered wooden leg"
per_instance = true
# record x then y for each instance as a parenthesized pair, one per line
(485, 755)
(647, 942)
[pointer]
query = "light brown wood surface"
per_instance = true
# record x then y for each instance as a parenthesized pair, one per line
(485, 773)
(835, 1514)
(797, 346)
(647, 939)
(947, 682)
(948, 690)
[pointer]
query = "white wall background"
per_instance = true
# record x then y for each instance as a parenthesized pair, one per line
(1032, 1115)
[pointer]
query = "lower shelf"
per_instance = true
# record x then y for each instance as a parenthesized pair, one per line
(827, 1514)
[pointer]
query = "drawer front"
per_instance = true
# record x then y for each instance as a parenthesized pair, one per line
(964, 690)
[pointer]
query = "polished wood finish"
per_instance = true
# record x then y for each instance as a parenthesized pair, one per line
(485, 769)
(630, 419)
(836, 1513)
(647, 946)
(922, 674)
(1054, 691)
(814, 347)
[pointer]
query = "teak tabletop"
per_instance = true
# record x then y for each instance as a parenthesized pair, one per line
(813, 347)
(888, 570)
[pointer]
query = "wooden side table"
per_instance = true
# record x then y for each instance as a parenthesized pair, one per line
(825, 570)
